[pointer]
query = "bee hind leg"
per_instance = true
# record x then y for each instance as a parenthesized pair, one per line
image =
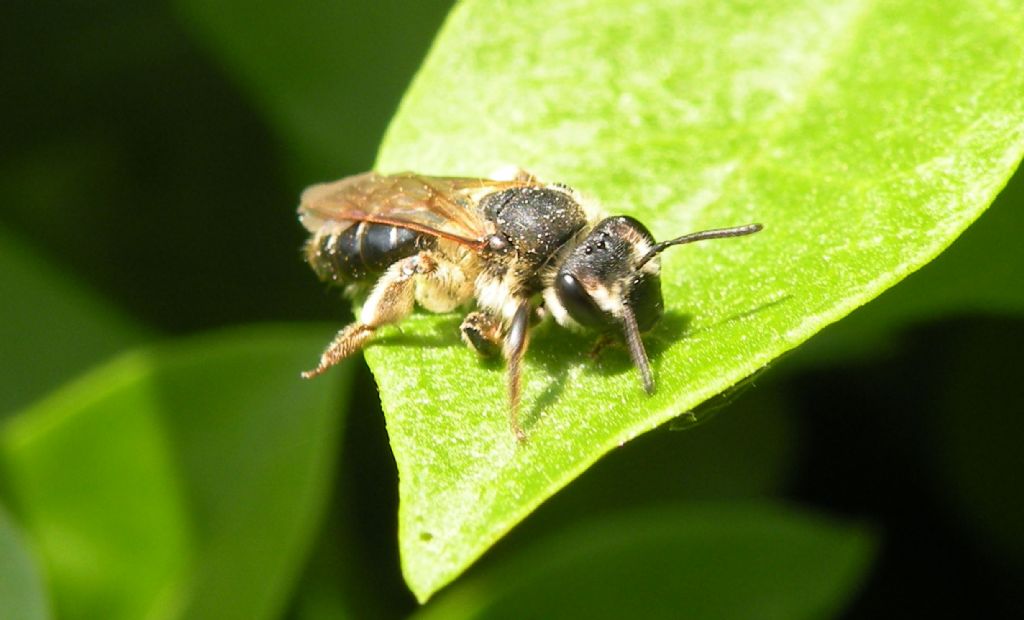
(348, 341)
(390, 301)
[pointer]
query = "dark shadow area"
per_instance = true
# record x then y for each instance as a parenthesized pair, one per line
(550, 395)
(556, 349)
(614, 359)
(924, 447)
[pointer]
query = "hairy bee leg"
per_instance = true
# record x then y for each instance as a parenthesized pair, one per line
(348, 341)
(516, 341)
(482, 333)
(390, 301)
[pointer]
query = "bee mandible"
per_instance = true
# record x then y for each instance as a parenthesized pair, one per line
(514, 246)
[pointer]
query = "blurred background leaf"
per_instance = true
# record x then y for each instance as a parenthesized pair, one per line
(138, 169)
(182, 481)
(52, 328)
(91, 477)
(22, 595)
(327, 74)
(697, 561)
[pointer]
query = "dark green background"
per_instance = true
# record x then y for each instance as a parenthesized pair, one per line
(141, 166)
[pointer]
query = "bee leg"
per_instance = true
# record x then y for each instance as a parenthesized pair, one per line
(511, 173)
(348, 341)
(516, 340)
(603, 342)
(390, 301)
(482, 333)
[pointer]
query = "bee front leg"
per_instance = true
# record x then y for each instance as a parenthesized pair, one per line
(482, 333)
(516, 341)
(390, 301)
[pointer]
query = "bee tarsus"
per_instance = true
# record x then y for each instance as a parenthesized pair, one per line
(349, 340)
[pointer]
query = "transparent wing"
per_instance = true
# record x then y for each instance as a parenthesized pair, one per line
(439, 206)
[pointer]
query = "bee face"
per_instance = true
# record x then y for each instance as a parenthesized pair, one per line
(602, 276)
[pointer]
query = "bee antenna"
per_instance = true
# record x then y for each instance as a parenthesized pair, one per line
(716, 233)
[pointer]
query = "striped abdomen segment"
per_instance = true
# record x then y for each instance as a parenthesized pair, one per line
(363, 251)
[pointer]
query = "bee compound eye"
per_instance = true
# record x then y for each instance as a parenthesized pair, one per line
(579, 304)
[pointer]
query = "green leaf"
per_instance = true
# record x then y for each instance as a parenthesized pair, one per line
(183, 481)
(979, 273)
(22, 596)
(864, 135)
(51, 328)
(327, 74)
(712, 561)
(92, 478)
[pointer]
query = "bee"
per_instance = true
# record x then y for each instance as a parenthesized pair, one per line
(518, 247)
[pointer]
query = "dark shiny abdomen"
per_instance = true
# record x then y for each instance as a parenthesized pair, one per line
(363, 252)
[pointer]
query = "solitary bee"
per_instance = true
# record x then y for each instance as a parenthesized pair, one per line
(516, 246)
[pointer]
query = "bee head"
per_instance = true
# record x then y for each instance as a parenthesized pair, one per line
(599, 280)
(611, 281)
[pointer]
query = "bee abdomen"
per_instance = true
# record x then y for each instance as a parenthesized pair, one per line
(362, 252)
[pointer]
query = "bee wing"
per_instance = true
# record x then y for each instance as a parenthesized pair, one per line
(438, 206)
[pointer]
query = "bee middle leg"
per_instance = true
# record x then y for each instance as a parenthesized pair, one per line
(390, 301)
(482, 332)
